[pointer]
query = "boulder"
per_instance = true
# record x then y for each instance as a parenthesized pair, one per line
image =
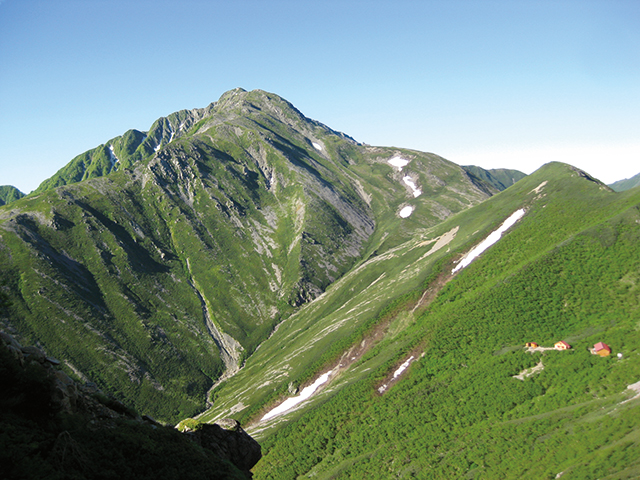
(234, 445)
(34, 353)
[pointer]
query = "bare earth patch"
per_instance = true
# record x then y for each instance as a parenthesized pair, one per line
(527, 372)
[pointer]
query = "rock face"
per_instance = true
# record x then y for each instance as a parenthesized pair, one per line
(65, 394)
(232, 444)
(44, 401)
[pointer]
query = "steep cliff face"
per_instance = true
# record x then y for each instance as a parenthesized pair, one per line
(157, 279)
(53, 427)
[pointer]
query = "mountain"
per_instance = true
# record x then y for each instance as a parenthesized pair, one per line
(500, 178)
(124, 151)
(442, 385)
(626, 184)
(363, 312)
(159, 278)
(9, 194)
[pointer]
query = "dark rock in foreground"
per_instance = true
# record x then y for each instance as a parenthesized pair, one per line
(52, 427)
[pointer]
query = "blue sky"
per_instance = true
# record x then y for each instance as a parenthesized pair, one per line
(511, 84)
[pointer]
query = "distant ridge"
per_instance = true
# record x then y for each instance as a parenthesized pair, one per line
(626, 184)
(9, 193)
(500, 178)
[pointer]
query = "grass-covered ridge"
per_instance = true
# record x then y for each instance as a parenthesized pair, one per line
(566, 271)
(9, 194)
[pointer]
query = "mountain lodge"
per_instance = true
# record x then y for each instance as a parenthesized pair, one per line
(601, 349)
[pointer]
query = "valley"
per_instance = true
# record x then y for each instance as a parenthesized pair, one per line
(362, 311)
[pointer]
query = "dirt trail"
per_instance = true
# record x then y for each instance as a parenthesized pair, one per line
(527, 372)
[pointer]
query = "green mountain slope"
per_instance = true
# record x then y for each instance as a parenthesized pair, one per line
(500, 178)
(9, 194)
(126, 150)
(157, 279)
(626, 184)
(568, 271)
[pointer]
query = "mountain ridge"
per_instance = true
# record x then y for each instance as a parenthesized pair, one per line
(626, 184)
(9, 193)
(259, 253)
(196, 253)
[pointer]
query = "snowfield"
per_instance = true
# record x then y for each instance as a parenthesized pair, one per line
(403, 367)
(416, 191)
(306, 392)
(490, 240)
(406, 211)
(398, 162)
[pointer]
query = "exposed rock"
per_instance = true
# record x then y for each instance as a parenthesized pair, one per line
(33, 353)
(235, 445)
(227, 441)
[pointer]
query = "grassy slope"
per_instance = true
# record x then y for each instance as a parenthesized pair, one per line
(241, 217)
(9, 194)
(626, 184)
(568, 270)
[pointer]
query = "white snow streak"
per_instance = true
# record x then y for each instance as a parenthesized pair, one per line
(402, 367)
(112, 156)
(317, 146)
(306, 392)
(490, 240)
(398, 162)
(416, 191)
(406, 211)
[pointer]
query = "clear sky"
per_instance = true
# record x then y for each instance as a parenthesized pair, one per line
(502, 83)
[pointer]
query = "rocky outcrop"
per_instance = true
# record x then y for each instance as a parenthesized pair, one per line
(229, 441)
(27, 372)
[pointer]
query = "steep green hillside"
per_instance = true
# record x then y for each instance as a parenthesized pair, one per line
(126, 150)
(626, 184)
(158, 279)
(9, 194)
(567, 270)
(500, 178)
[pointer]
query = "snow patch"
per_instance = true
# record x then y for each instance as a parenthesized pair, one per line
(403, 367)
(317, 146)
(406, 211)
(112, 156)
(416, 191)
(396, 374)
(490, 240)
(306, 392)
(398, 162)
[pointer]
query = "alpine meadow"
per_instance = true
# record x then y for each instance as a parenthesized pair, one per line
(361, 311)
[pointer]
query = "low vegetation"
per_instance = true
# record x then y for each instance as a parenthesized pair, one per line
(458, 412)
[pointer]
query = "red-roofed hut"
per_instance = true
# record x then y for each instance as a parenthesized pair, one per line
(562, 345)
(602, 349)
